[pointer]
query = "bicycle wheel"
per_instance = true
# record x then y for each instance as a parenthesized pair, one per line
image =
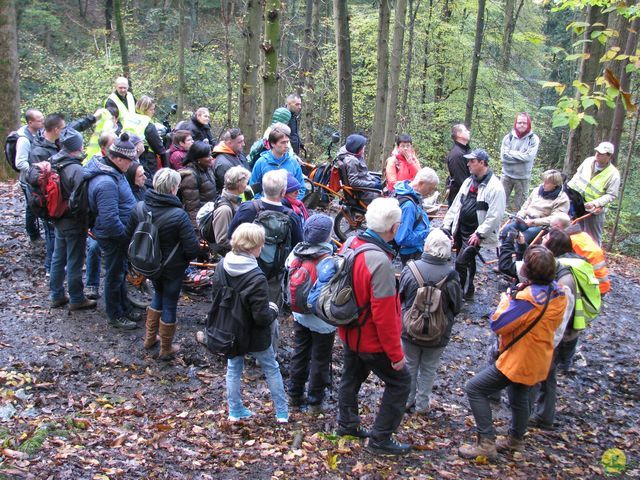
(343, 229)
(139, 290)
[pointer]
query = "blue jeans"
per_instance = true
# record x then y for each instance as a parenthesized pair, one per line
(488, 381)
(94, 256)
(49, 244)
(30, 220)
(166, 295)
(69, 253)
(529, 233)
(114, 257)
(271, 371)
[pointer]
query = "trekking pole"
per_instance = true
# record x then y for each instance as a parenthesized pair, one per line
(200, 264)
(579, 219)
(538, 237)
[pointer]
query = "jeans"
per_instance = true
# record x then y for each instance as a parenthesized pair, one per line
(543, 397)
(114, 258)
(68, 252)
(30, 220)
(422, 363)
(491, 380)
(521, 187)
(271, 371)
(529, 233)
(275, 296)
(166, 295)
(311, 359)
(94, 256)
(49, 244)
(355, 370)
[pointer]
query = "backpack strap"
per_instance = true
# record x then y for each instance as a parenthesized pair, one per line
(416, 273)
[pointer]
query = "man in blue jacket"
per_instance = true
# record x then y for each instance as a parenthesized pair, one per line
(111, 199)
(414, 226)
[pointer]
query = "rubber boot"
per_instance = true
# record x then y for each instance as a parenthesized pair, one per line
(152, 324)
(510, 444)
(484, 447)
(167, 350)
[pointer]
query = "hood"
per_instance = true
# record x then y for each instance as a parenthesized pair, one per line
(63, 156)
(405, 189)
(176, 148)
(223, 148)
(95, 166)
(238, 264)
(312, 250)
(205, 126)
(343, 153)
(155, 199)
(271, 159)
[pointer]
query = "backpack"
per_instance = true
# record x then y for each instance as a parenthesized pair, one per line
(425, 322)
(302, 277)
(228, 322)
(336, 303)
(144, 250)
(256, 150)
(45, 192)
(10, 144)
(407, 198)
(588, 297)
(205, 223)
(79, 202)
(277, 244)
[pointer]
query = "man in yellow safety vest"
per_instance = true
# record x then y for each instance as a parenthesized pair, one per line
(121, 98)
(597, 181)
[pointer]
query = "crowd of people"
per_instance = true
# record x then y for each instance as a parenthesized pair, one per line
(207, 199)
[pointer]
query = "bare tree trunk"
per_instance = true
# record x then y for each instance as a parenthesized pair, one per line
(182, 32)
(227, 12)
(473, 76)
(307, 46)
(345, 70)
(312, 59)
(394, 75)
(10, 92)
(270, 66)
(122, 39)
(581, 140)
(376, 143)
(510, 19)
(447, 11)
(108, 19)
(248, 100)
(404, 105)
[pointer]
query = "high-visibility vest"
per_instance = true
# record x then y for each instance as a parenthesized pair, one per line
(591, 186)
(586, 247)
(588, 300)
(124, 110)
(104, 124)
(136, 123)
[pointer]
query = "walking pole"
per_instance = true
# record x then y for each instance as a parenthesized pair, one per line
(579, 219)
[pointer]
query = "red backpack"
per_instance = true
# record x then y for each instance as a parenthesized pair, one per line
(302, 276)
(44, 192)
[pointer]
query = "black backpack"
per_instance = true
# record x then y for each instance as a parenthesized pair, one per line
(277, 243)
(79, 202)
(229, 320)
(10, 149)
(205, 226)
(144, 250)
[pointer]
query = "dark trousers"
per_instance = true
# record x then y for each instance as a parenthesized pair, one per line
(114, 258)
(488, 381)
(355, 370)
(30, 220)
(465, 263)
(543, 397)
(311, 359)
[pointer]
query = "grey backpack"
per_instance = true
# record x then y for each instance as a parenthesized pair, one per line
(425, 322)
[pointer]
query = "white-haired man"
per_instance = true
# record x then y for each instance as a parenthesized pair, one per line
(375, 345)
(121, 98)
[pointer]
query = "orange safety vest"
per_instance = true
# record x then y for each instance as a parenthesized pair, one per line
(585, 246)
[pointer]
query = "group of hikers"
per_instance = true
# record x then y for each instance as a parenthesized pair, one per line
(145, 204)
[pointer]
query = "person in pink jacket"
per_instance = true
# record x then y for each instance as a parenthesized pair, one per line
(403, 163)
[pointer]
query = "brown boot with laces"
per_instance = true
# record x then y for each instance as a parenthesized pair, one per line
(484, 447)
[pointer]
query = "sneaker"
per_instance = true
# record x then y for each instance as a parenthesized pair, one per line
(92, 293)
(389, 446)
(240, 415)
(60, 302)
(86, 303)
(282, 417)
(123, 323)
(357, 432)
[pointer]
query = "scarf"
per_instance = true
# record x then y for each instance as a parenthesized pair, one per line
(552, 195)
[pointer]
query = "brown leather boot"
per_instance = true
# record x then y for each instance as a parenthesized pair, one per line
(510, 444)
(484, 447)
(167, 331)
(152, 324)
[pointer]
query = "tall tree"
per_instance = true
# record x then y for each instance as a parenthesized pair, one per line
(270, 65)
(248, 98)
(10, 91)
(404, 103)
(441, 70)
(394, 75)
(122, 39)
(511, 15)
(108, 19)
(182, 46)
(345, 69)
(227, 9)
(475, 64)
(310, 65)
(376, 143)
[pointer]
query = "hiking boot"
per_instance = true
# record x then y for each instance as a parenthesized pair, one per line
(315, 409)
(86, 303)
(470, 293)
(484, 447)
(296, 401)
(134, 315)
(167, 350)
(358, 432)
(152, 326)
(389, 446)
(37, 241)
(510, 444)
(123, 323)
(92, 293)
(535, 422)
(60, 302)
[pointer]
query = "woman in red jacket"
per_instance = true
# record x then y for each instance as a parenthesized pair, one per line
(403, 163)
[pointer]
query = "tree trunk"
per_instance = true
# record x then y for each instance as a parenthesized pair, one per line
(270, 66)
(447, 11)
(307, 45)
(226, 13)
(309, 82)
(122, 39)
(248, 99)
(108, 19)
(581, 140)
(473, 76)
(345, 69)
(182, 46)
(510, 19)
(394, 75)
(404, 106)
(10, 93)
(376, 142)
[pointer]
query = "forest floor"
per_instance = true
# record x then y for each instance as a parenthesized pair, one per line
(80, 400)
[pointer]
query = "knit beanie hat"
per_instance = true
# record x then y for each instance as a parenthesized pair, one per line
(71, 140)
(355, 143)
(292, 183)
(317, 228)
(131, 173)
(135, 139)
(123, 148)
(282, 115)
